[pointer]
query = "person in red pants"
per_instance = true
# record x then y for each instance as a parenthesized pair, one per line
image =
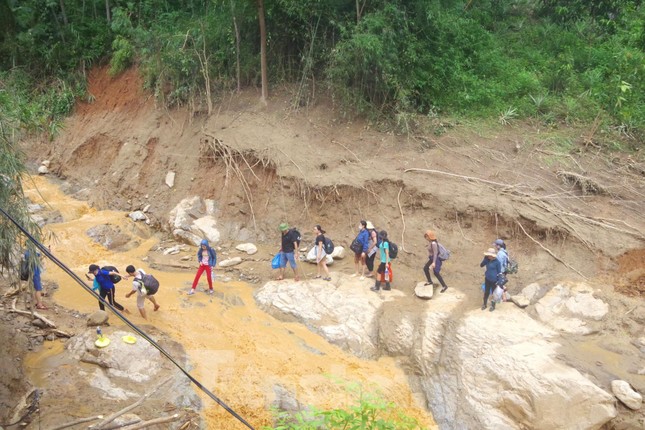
(207, 259)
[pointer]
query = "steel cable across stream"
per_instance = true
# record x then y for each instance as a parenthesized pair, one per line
(67, 270)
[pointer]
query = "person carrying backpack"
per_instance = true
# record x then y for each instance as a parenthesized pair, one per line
(139, 287)
(290, 242)
(434, 262)
(372, 248)
(502, 256)
(206, 258)
(384, 271)
(106, 286)
(360, 246)
(321, 253)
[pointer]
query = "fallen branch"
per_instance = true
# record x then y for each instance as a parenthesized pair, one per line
(152, 422)
(398, 200)
(31, 314)
(454, 175)
(78, 421)
(127, 409)
(551, 252)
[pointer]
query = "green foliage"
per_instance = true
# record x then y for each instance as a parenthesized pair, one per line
(122, 55)
(370, 413)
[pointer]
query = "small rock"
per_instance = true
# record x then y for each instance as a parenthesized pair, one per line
(338, 253)
(146, 208)
(43, 170)
(249, 248)
(173, 250)
(186, 258)
(39, 323)
(138, 216)
(45, 163)
(170, 179)
(230, 262)
(521, 301)
(624, 392)
(51, 337)
(97, 318)
(424, 291)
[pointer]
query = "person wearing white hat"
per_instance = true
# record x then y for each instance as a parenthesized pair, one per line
(493, 270)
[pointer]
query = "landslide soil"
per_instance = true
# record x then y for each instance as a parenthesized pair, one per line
(568, 208)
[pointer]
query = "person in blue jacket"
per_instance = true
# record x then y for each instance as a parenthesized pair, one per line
(106, 287)
(363, 239)
(206, 258)
(493, 270)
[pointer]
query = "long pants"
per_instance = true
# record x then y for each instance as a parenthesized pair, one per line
(489, 287)
(369, 262)
(110, 294)
(436, 270)
(202, 269)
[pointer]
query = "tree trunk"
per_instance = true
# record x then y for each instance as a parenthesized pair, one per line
(62, 9)
(263, 52)
(238, 72)
(107, 11)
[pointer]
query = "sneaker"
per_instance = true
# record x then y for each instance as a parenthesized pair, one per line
(387, 288)
(354, 275)
(483, 307)
(492, 306)
(375, 288)
(427, 283)
(362, 278)
(443, 290)
(211, 292)
(327, 279)
(191, 292)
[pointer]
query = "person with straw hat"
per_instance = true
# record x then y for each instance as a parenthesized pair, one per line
(493, 270)
(434, 262)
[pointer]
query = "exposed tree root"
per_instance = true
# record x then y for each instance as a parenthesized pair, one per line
(31, 314)
(398, 200)
(584, 183)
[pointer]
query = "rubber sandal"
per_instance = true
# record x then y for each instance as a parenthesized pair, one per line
(42, 307)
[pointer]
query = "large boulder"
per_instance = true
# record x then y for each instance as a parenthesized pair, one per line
(499, 370)
(344, 311)
(249, 248)
(311, 257)
(571, 309)
(193, 219)
(97, 318)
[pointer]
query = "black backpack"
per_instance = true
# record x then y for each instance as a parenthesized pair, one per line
(114, 278)
(328, 245)
(394, 250)
(24, 269)
(356, 246)
(151, 284)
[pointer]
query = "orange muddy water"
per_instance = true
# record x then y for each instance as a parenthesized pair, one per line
(237, 351)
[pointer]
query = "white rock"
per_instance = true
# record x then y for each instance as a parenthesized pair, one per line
(624, 392)
(146, 209)
(424, 291)
(520, 300)
(532, 292)
(211, 207)
(43, 170)
(230, 262)
(138, 216)
(249, 248)
(46, 163)
(571, 309)
(187, 237)
(338, 253)
(206, 227)
(172, 250)
(170, 179)
(343, 311)
(311, 257)
(185, 212)
(499, 371)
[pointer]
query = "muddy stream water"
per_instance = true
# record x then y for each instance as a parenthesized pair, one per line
(237, 351)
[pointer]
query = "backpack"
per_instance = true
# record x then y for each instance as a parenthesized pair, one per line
(151, 284)
(394, 250)
(378, 238)
(114, 278)
(511, 266)
(356, 246)
(24, 269)
(328, 245)
(444, 253)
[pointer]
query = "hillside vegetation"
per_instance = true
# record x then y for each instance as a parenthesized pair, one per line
(559, 61)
